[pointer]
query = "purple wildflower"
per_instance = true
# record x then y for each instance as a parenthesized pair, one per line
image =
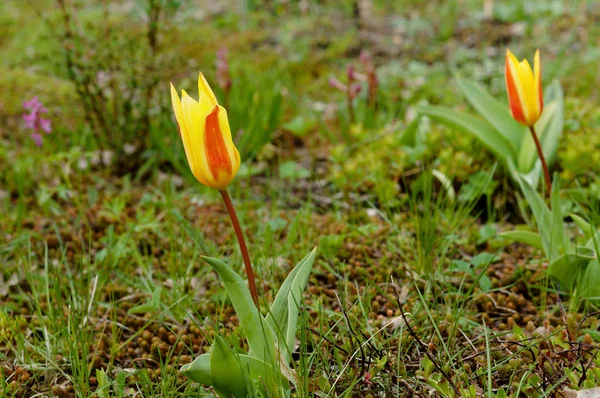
(34, 121)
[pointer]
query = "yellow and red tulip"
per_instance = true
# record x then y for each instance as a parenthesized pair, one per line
(204, 128)
(524, 88)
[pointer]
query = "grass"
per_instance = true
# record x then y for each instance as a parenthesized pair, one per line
(102, 289)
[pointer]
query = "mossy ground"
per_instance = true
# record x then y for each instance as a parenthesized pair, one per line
(102, 289)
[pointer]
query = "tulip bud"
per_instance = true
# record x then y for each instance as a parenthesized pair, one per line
(204, 128)
(524, 88)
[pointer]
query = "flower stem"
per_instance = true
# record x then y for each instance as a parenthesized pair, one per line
(542, 159)
(240, 237)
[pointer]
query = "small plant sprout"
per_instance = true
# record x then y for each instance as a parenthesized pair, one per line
(525, 98)
(370, 76)
(352, 89)
(34, 121)
(214, 161)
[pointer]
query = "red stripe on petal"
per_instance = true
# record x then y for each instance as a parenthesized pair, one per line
(516, 107)
(215, 149)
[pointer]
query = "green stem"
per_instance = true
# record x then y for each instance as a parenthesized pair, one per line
(240, 237)
(542, 159)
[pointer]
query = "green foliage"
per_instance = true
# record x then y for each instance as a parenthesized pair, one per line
(271, 339)
(254, 108)
(575, 267)
(501, 134)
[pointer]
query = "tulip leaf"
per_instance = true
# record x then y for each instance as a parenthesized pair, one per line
(559, 237)
(567, 267)
(527, 237)
(226, 371)
(589, 283)
(543, 218)
(552, 129)
(481, 129)
(259, 333)
(279, 314)
(492, 110)
(200, 370)
(292, 313)
(583, 225)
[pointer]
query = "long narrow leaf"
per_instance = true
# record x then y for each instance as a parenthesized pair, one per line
(583, 225)
(200, 372)
(567, 268)
(296, 281)
(543, 218)
(558, 238)
(481, 129)
(492, 110)
(529, 238)
(228, 377)
(259, 334)
(589, 283)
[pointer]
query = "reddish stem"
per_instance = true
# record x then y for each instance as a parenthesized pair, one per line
(240, 237)
(542, 159)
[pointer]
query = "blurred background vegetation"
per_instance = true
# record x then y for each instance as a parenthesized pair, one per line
(103, 68)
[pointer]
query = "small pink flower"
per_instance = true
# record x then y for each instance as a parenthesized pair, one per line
(335, 83)
(46, 125)
(32, 104)
(34, 121)
(29, 120)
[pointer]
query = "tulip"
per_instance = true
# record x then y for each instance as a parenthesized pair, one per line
(525, 98)
(524, 88)
(211, 154)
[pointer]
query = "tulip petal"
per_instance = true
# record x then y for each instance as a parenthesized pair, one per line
(183, 129)
(215, 148)
(514, 96)
(233, 153)
(195, 121)
(204, 90)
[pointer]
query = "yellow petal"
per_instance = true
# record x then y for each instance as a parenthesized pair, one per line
(194, 117)
(204, 90)
(183, 129)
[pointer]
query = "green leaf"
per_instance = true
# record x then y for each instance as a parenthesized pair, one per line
(200, 370)
(543, 218)
(409, 135)
(279, 315)
(226, 371)
(481, 129)
(567, 268)
(259, 333)
(528, 237)
(585, 227)
(494, 111)
(292, 321)
(551, 125)
(558, 235)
